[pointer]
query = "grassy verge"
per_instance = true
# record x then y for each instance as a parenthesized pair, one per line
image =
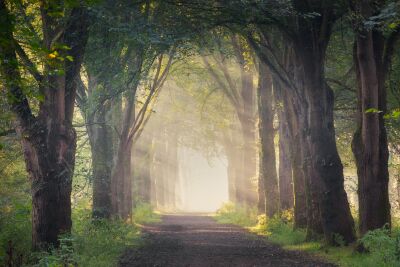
(383, 246)
(92, 243)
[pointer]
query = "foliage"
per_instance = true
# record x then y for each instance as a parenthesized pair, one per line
(279, 229)
(144, 213)
(15, 234)
(92, 243)
(382, 246)
(230, 213)
(15, 203)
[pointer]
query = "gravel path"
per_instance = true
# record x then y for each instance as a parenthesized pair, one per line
(195, 240)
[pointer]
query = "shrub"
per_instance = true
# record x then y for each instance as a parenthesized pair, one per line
(383, 247)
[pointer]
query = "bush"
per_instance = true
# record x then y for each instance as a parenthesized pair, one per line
(383, 247)
(239, 215)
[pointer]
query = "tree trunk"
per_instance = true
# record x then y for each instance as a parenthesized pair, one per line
(370, 145)
(101, 147)
(48, 140)
(172, 168)
(326, 170)
(248, 159)
(230, 152)
(285, 166)
(293, 122)
(121, 179)
(267, 151)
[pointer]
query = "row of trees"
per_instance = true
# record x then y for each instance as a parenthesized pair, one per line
(112, 59)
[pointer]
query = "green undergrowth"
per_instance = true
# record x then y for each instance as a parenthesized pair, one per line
(382, 246)
(144, 213)
(92, 242)
(230, 213)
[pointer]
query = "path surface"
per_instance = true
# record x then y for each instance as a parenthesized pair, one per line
(189, 240)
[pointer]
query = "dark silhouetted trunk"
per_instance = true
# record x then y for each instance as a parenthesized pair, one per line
(267, 133)
(326, 178)
(370, 146)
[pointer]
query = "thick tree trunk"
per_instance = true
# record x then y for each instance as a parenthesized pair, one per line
(50, 159)
(326, 170)
(370, 145)
(121, 179)
(267, 133)
(101, 147)
(48, 140)
(122, 184)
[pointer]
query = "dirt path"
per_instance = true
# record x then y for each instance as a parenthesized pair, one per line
(189, 240)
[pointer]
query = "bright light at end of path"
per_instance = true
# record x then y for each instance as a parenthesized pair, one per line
(204, 184)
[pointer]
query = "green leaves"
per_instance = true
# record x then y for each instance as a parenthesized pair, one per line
(373, 110)
(394, 114)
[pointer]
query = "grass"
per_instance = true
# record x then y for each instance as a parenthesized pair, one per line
(383, 246)
(144, 213)
(96, 243)
(231, 214)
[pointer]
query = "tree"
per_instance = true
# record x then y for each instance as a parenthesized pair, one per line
(48, 138)
(241, 94)
(308, 29)
(372, 57)
(267, 133)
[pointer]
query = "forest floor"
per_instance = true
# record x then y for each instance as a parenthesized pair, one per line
(197, 240)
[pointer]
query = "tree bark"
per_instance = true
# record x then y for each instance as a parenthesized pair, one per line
(285, 166)
(293, 123)
(101, 147)
(370, 145)
(326, 170)
(121, 179)
(48, 140)
(267, 151)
